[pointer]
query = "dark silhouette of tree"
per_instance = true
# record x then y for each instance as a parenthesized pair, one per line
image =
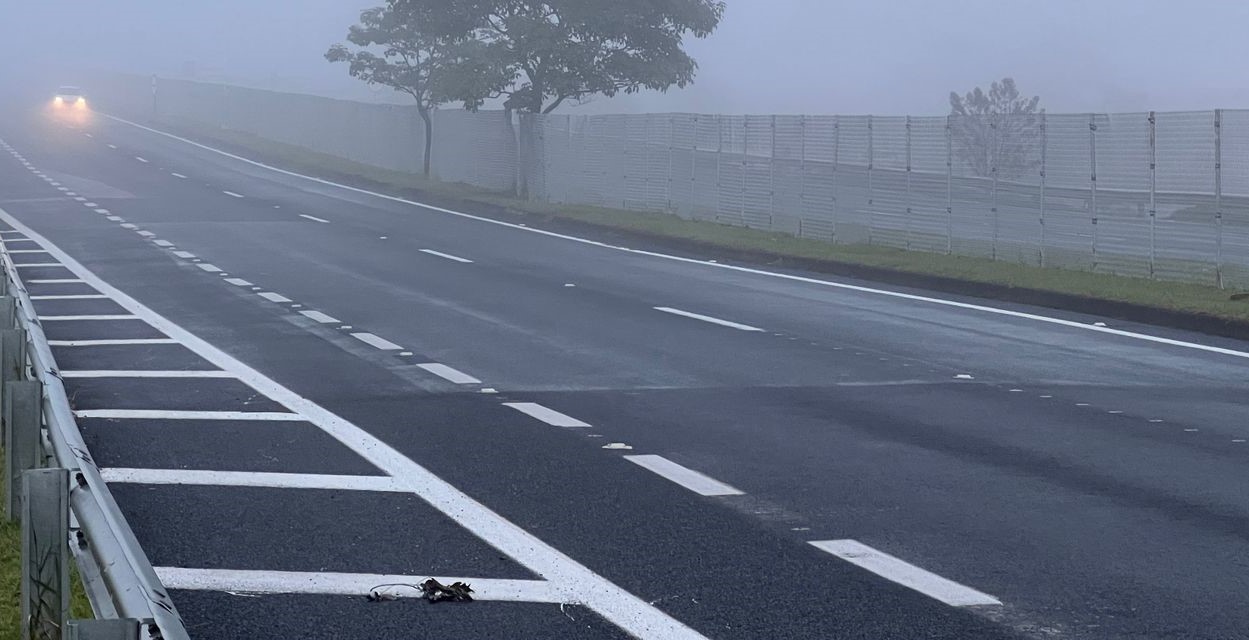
(996, 131)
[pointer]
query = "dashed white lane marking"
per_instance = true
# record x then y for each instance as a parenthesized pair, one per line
(238, 282)
(274, 297)
(321, 317)
(185, 255)
(178, 175)
(549, 416)
(115, 219)
(88, 317)
(88, 135)
(162, 243)
(570, 579)
(79, 198)
(210, 268)
(130, 225)
(684, 476)
(251, 479)
(350, 584)
(314, 218)
(112, 146)
(110, 343)
(143, 160)
(157, 414)
(90, 204)
(446, 255)
(145, 373)
(147, 234)
(232, 194)
(76, 296)
(53, 280)
(376, 341)
(699, 316)
(905, 574)
(449, 374)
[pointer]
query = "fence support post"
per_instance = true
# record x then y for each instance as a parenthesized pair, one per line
(908, 182)
(1218, 197)
(672, 128)
(8, 312)
(719, 163)
(115, 629)
(694, 171)
(871, 160)
(1044, 155)
(1093, 183)
(772, 177)
(949, 185)
(1153, 193)
(45, 553)
(802, 172)
(836, 160)
(22, 405)
(994, 141)
(741, 213)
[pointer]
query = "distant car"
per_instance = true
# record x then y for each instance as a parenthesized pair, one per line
(68, 96)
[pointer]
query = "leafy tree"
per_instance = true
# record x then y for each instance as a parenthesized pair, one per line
(544, 53)
(996, 130)
(415, 48)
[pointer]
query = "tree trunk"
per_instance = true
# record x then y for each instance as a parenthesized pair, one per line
(429, 139)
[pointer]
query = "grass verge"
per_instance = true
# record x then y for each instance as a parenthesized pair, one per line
(11, 581)
(1154, 294)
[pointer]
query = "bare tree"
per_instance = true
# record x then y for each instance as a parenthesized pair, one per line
(996, 131)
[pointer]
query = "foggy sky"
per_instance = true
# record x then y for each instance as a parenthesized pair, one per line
(769, 56)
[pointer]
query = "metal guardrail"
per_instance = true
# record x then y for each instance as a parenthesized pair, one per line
(119, 580)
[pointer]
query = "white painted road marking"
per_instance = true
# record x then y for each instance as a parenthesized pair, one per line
(684, 476)
(27, 251)
(210, 268)
(146, 373)
(712, 265)
(232, 194)
(115, 219)
(376, 341)
(92, 317)
(110, 343)
(130, 225)
(143, 160)
(112, 146)
(274, 297)
(178, 175)
(37, 264)
(449, 374)
(549, 416)
(77, 296)
(238, 282)
(320, 317)
(446, 255)
(699, 316)
(147, 234)
(314, 218)
(162, 243)
(351, 584)
(54, 281)
(160, 414)
(571, 581)
(103, 211)
(252, 479)
(185, 255)
(905, 574)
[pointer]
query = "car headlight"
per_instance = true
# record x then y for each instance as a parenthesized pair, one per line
(59, 100)
(81, 102)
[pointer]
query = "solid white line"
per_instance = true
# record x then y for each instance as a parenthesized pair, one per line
(11, 241)
(27, 251)
(77, 296)
(162, 243)
(185, 255)
(53, 281)
(320, 317)
(251, 479)
(232, 194)
(449, 374)
(87, 317)
(572, 581)
(350, 584)
(238, 282)
(178, 175)
(273, 297)
(110, 343)
(698, 316)
(905, 574)
(376, 341)
(446, 255)
(210, 268)
(145, 373)
(143, 160)
(684, 476)
(162, 414)
(549, 416)
(38, 264)
(713, 265)
(313, 218)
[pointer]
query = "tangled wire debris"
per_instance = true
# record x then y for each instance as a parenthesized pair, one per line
(431, 590)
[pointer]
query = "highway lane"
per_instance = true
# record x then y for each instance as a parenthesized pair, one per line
(981, 447)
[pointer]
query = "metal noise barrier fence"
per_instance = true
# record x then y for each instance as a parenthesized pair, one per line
(64, 504)
(1152, 195)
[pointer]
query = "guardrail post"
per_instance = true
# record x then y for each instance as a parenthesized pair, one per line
(8, 311)
(118, 629)
(22, 404)
(45, 553)
(12, 361)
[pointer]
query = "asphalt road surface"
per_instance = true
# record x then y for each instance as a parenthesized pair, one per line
(301, 392)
